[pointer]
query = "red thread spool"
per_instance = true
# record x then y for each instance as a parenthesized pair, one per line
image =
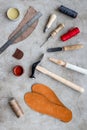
(18, 70)
(71, 33)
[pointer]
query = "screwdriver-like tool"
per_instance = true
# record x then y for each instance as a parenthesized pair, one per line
(66, 48)
(50, 22)
(54, 33)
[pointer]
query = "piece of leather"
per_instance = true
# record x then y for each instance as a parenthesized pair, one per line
(18, 54)
(30, 13)
(41, 104)
(47, 92)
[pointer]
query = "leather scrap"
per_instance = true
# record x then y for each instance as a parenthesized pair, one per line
(18, 54)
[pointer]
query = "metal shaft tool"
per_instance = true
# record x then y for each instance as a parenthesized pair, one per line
(34, 66)
(69, 66)
(54, 33)
(66, 48)
(20, 32)
(50, 22)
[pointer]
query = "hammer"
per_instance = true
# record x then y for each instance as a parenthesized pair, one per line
(54, 76)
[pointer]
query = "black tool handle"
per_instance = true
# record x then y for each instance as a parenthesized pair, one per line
(54, 49)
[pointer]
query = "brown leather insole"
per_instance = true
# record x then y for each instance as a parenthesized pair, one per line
(41, 104)
(47, 92)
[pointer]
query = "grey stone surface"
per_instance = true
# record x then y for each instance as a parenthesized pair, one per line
(11, 86)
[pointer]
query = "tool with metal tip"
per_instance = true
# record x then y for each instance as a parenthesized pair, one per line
(34, 67)
(60, 79)
(20, 32)
(66, 48)
(69, 66)
(50, 22)
(54, 33)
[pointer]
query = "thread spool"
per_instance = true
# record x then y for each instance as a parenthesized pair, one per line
(16, 108)
(71, 33)
(68, 11)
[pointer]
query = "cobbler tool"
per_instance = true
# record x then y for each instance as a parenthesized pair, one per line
(30, 13)
(41, 69)
(34, 66)
(66, 48)
(50, 22)
(68, 11)
(69, 66)
(54, 33)
(60, 79)
(20, 32)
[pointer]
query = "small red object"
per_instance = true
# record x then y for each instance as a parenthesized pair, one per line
(18, 70)
(71, 33)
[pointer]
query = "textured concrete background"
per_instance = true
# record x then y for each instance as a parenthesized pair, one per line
(17, 87)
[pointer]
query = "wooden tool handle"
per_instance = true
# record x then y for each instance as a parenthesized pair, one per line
(51, 20)
(58, 62)
(73, 47)
(60, 79)
(59, 28)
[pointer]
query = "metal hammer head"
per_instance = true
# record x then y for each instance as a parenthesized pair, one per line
(34, 67)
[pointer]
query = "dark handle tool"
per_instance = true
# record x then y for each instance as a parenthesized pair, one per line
(66, 48)
(54, 49)
(34, 67)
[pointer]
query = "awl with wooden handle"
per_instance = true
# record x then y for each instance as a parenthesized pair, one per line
(66, 48)
(69, 66)
(50, 22)
(60, 79)
(54, 33)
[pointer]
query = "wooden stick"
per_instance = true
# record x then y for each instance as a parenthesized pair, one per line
(60, 79)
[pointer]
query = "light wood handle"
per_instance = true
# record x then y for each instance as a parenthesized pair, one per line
(59, 28)
(58, 62)
(51, 20)
(73, 47)
(60, 79)
(69, 66)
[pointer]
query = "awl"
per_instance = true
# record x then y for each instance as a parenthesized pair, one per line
(54, 33)
(66, 48)
(50, 22)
